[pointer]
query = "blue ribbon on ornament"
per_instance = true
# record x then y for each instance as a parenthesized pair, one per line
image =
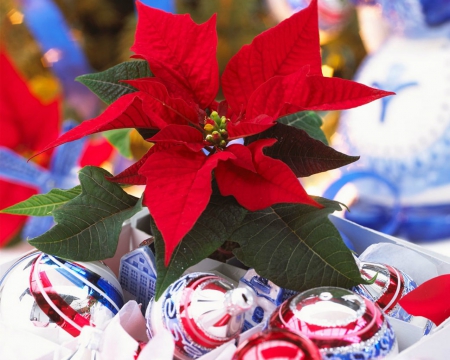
(61, 174)
(414, 223)
(67, 60)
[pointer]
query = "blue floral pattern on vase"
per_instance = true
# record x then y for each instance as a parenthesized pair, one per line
(403, 139)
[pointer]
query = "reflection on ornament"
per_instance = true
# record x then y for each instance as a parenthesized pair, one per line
(55, 298)
(341, 323)
(390, 286)
(202, 311)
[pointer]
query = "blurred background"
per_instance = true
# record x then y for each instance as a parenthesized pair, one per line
(401, 184)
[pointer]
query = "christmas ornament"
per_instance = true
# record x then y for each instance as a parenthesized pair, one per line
(55, 298)
(341, 323)
(277, 344)
(390, 286)
(202, 310)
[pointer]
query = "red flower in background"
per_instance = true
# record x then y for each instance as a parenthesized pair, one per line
(279, 73)
(27, 125)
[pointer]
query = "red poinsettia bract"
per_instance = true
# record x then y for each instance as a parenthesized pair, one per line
(277, 74)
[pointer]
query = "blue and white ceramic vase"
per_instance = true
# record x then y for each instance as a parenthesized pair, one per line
(403, 175)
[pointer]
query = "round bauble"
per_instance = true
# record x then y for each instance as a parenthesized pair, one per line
(341, 323)
(202, 311)
(54, 298)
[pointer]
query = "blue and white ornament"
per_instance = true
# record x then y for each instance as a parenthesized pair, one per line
(202, 311)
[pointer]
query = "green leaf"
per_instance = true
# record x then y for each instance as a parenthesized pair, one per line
(120, 139)
(43, 204)
(296, 247)
(212, 229)
(88, 226)
(308, 121)
(106, 84)
(303, 154)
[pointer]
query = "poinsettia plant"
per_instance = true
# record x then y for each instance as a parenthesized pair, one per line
(218, 171)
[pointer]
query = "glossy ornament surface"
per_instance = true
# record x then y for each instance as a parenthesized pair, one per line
(277, 344)
(55, 298)
(390, 285)
(201, 310)
(341, 323)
